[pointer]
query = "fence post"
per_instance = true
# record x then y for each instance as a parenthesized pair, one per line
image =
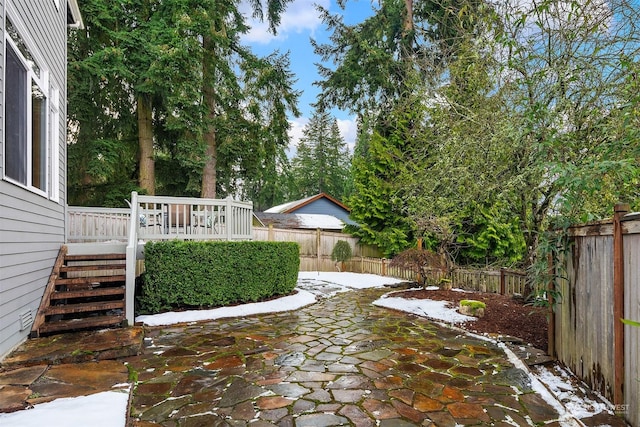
(551, 328)
(419, 245)
(318, 247)
(270, 233)
(384, 267)
(502, 281)
(620, 210)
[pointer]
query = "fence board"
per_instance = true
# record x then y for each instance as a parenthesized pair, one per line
(631, 245)
(312, 241)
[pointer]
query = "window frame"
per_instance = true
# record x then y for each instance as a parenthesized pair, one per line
(42, 83)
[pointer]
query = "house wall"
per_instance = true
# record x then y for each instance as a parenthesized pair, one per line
(327, 207)
(32, 225)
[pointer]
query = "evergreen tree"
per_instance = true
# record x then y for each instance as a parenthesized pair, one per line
(321, 163)
(377, 204)
(384, 68)
(178, 83)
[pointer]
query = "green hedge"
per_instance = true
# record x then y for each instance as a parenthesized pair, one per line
(211, 274)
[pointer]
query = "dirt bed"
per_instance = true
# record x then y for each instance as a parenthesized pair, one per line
(503, 315)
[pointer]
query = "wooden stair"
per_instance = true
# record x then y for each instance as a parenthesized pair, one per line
(84, 292)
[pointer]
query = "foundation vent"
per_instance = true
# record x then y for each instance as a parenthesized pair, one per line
(26, 320)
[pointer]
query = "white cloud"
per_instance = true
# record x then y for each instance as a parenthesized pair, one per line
(349, 131)
(295, 133)
(299, 16)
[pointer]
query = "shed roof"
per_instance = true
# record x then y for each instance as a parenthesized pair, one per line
(300, 221)
(291, 207)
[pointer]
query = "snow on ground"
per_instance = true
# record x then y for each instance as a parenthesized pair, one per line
(438, 310)
(346, 280)
(310, 285)
(106, 409)
(287, 303)
(577, 402)
(565, 418)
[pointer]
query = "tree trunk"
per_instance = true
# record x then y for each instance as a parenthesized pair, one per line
(406, 45)
(408, 19)
(147, 173)
(209, 171)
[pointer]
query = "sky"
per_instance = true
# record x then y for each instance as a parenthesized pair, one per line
(109, 408)
(299, 23)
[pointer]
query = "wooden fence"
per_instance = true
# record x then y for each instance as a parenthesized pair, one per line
(599, 285)
(315, 255)
(315, 245)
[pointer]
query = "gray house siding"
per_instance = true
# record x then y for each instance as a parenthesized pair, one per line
(327, 207)
(32, 225)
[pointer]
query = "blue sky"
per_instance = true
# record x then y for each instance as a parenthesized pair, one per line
(299, 24)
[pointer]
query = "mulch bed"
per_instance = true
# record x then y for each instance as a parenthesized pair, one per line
(503, 314)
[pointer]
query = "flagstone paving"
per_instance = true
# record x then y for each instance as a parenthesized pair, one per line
(341, 361)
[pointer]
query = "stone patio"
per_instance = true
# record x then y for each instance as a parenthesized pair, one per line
(341, 361)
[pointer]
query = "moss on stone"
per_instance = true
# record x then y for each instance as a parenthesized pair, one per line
(473, 304)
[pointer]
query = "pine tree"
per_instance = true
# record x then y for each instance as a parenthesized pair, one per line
(321, 163)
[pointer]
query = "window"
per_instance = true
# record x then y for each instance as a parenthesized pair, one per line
(26, 112)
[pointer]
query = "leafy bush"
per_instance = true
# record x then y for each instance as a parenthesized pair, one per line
(486, 235)
(341, 253)
(212, 274)
(420, 261)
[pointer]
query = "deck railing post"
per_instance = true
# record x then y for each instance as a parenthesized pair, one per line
(620, 210)
(229, 217)
(131, 261)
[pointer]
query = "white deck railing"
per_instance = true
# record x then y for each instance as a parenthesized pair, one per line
(163, 218)
(159, 218)
(88, 224)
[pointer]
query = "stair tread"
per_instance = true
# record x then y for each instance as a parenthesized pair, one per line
(93, 267)
(87, 280)
(84, 307)
(114, 290)
(95, 257)
(89, 322)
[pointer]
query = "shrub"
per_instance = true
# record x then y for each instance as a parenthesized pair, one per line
(212, 274)
(341, 253)
(420, 261)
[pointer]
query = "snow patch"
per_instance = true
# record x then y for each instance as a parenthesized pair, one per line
(106, 409)
(439, 310)
(287, 303)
